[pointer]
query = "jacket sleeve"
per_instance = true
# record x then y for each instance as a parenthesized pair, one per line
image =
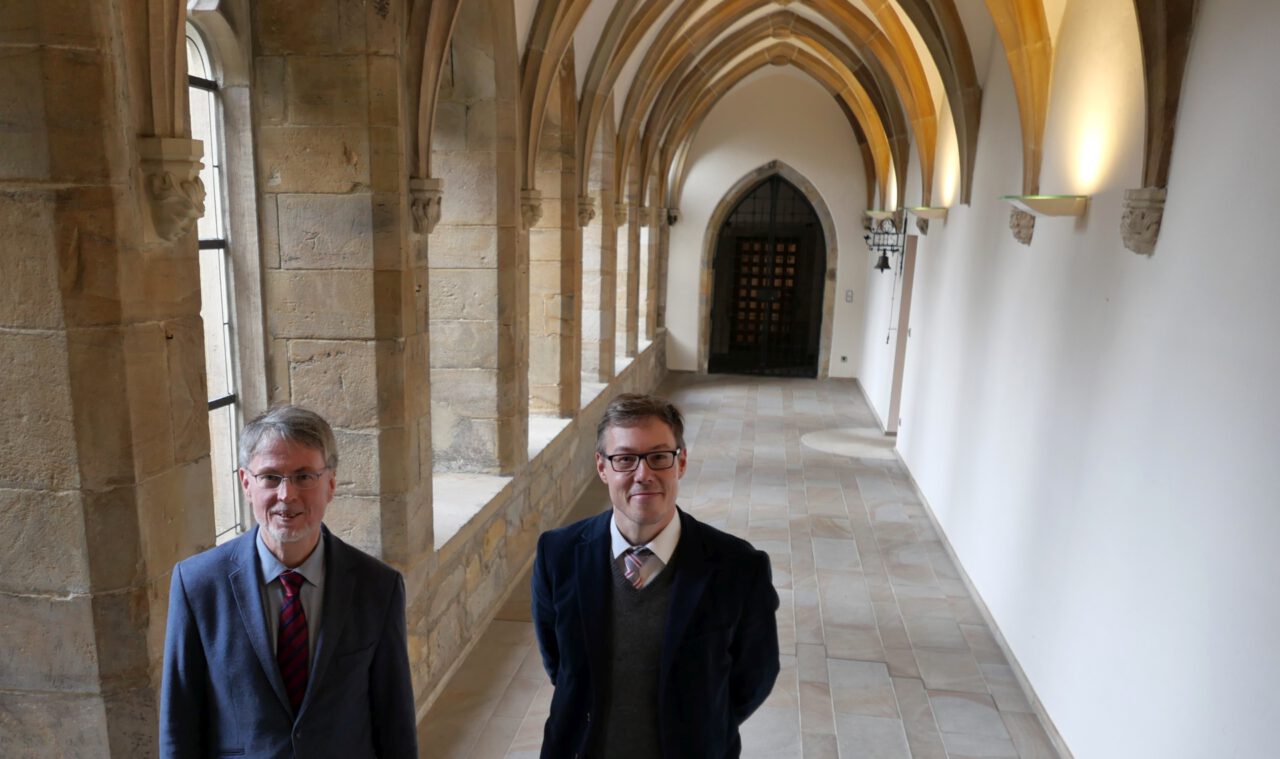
(183, 716)
(755, 644)
(544, 613)
(395, 723)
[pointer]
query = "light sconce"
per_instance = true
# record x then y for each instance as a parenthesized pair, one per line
(926, 214)
(1049, 205)
(1022, 220)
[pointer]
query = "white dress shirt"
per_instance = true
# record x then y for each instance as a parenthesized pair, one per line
(663, 547)
(312, 570)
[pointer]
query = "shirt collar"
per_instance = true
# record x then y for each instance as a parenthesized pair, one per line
(663, 544)
(312, 569)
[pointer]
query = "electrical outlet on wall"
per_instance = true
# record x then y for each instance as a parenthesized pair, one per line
(848, 296)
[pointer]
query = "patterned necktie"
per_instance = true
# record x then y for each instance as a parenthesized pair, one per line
(633, 560)
(291, 641)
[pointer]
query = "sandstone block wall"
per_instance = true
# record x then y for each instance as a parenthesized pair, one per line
(477, 569)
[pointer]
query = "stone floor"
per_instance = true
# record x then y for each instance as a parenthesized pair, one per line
(884, 653)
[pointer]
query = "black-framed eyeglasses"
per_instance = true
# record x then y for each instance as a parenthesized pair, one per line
(629, 462)
(301, 480)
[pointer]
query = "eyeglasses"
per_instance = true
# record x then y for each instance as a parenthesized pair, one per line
(301, 480)
(629, 462)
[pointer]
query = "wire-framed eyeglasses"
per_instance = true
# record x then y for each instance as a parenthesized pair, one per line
(629, 462)
(301, 480)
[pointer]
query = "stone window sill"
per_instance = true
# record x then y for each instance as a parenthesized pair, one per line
(458, 500)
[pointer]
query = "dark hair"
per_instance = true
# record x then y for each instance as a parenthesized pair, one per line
(293, 423)
(630, 409)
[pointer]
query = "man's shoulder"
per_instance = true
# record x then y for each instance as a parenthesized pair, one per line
(359, 561)
(572, 533)
(219, 559)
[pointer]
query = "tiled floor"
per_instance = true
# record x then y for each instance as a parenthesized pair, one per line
(884, 653)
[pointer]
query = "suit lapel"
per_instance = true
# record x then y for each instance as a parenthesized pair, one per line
(338, 592)
(593, 575)
(694, 568)
(246, 586)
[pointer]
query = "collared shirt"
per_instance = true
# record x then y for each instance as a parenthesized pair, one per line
(312, 570)
(663, 546)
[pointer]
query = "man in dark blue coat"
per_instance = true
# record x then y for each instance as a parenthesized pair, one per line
(286, 641)
(658, 631)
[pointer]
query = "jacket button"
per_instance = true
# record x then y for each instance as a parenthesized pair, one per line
(588, 717)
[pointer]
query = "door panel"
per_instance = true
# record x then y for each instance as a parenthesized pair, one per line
(767, 305)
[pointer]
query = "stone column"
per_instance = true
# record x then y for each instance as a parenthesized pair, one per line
(478, 261)
(599, 294)
(652, 253)
(632, 308)
(104, 451)
(663, 229)
(341, 286)
(546, 304)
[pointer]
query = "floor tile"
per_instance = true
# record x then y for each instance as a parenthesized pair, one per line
(1029, 736)
(967, 713)
(949, 670)
(885, 653)
(859, 687)
(871, 737)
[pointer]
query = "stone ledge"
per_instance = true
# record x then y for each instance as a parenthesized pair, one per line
(542, 431)
(458, 501)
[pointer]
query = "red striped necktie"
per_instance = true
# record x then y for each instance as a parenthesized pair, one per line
(291, 641)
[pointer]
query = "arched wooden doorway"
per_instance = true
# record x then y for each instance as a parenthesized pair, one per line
(766, 315)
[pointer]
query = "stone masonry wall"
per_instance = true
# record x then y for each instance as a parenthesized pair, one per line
(104, 447)
(476, 570)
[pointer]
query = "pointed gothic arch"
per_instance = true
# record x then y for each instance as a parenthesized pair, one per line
(829, 250)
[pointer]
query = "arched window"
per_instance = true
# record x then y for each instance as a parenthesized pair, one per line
(215, 290)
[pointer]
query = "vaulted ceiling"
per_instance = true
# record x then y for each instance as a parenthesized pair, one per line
(649, 71)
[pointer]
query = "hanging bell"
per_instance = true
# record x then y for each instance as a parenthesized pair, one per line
(883, 263)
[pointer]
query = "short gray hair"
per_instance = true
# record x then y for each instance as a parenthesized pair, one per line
(631, 409)
(293, 423)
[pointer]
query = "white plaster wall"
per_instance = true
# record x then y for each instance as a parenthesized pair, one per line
(1097, 431)
(782, 115)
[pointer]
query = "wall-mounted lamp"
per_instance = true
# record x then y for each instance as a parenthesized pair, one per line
(1049, 205)
(1022, 220)
(926, 214)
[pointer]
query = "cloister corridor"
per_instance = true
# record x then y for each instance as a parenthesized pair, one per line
(885, 652)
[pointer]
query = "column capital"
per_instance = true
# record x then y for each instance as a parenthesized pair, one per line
(530, 207)
(1022, 224)
(174, 193)
(586, 210)
(426, 196)
(1143, 213)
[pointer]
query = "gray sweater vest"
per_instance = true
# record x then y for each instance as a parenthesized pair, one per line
(629, 728)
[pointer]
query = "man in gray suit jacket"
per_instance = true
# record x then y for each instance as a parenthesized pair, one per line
(286, 641)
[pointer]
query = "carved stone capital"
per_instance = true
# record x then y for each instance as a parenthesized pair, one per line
(530, 207)
(586, 210)
(673, 216)
(1140, 224)
(620, 213)
(426, 195)
(646, 215)
(175, 195)
(922, 224)
(1022, 224)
